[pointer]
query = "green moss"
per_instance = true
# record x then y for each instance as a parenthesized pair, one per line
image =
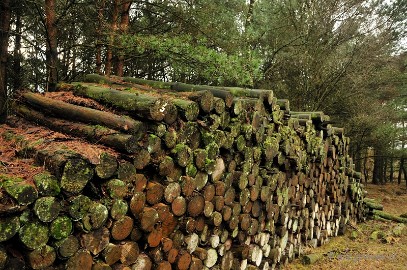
(61, 227)
(79, 207)
(119, 209)
(96, 217)
(76, 175)
(22, 192)
(47, 184)
(9, 226)
(34, 235)
(47, 208)
(191, 170)
(117, 189)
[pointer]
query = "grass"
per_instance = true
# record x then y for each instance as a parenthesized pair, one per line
(387, 252)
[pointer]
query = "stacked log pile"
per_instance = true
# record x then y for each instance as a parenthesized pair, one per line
(208, 178)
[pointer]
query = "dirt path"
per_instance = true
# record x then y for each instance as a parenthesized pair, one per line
(388, 252)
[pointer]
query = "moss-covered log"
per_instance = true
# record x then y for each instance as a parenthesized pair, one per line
(34, 235)
(389, 216)
(47, 184)
(9, 226)
(97, 134)
(146, 106)
(22, 191)
(47, 208)
(84, 114)
(217, 92)
(73, 171)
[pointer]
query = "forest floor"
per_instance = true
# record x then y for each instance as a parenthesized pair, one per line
(363, 252)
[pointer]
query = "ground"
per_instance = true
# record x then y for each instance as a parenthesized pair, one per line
(388, 253)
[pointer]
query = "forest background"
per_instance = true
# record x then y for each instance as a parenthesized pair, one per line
(347, 58)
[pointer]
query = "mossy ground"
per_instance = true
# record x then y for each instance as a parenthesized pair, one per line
(362, 252)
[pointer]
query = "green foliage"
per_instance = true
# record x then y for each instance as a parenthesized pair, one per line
(185, 56)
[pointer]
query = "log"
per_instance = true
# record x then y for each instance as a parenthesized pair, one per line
(130, 252)
(95, 217)
(145, 106)
(84, 114)
(112, 253)
(79, 206)
(34, 235)
(107, 166)
(389, 216)
(24, 193)
(47, 184)
(143, 262)
(311, 258)
(9, 226)
(81, 260)
(122, 228)
(95, 241)
(224, 94)
(61, 227)
(97, 134)
(73, 171)
(47, 208)
(67, 247)
(42, 257)
(372, 204)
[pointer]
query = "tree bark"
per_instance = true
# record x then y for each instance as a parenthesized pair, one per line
(17, 81)
(99, 30)
(52, 46)
(5, 15)
(124, 25)
(113, 30)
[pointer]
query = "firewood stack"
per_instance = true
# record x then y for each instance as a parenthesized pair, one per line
(209, 178)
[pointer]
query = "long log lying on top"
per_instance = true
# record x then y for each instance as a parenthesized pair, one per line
(99, 134)
(217, 92)
(148, 106)
(84, 114)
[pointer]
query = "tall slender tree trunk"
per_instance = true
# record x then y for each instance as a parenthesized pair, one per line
(113, 30)
(52, 46)
(124, 25)
(17, 79)
(99, 31)
(377, 168)
(385, 164)
(400, 171)
(365, 171)
(391, 169)
(5, 15)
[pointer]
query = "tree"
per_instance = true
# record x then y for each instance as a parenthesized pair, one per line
(5, 15)
(51, 43)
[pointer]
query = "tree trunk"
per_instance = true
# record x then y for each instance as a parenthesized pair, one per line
(113, 29)
(5, 15)
(391, 179)
(99, 42)
(52, 49)
(124, 25)
(17, 81)
(377, 168)
(400, 170)
(385, 164)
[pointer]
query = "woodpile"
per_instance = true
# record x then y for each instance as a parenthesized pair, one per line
(208, 178)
